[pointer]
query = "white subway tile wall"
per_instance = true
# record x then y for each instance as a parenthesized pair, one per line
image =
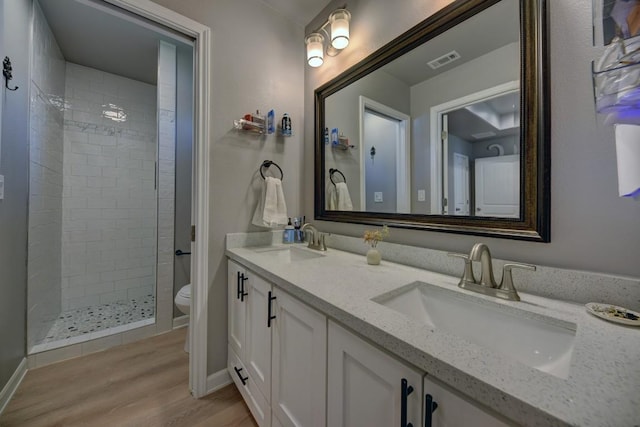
(109, 200)
(45, 181)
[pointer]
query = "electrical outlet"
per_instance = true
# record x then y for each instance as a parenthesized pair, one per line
(1, 187)
(421, 196)
(377, 197)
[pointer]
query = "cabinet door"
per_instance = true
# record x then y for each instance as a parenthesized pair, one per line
(453, 410)
(364, 385)
(258, 345)
(299, 363)
(236, 307)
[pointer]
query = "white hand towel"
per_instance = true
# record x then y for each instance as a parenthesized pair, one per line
(271, 211)
(332, 198)
(628, 154)
(344, 199)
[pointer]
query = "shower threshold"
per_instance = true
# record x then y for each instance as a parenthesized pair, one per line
(89, 323)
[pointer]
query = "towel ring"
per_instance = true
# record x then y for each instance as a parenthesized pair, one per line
(267, 164)
(332, 171)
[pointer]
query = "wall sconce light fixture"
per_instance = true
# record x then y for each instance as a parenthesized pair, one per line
(339, 22)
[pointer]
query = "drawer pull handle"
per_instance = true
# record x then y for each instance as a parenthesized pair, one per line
(429, 408)
(406, 391)
(243, 379)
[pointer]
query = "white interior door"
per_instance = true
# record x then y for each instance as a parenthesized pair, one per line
(498, 186)
(461, 184)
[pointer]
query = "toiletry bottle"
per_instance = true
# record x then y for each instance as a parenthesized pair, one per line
(289, 233)
(286, 125)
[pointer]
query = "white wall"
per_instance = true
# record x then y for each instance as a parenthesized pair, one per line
(45, 181)
(257, 63)
(109, 203)
(591, 227)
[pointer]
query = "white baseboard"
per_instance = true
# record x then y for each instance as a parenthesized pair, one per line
(181, 322)
(8, 391)
(218, 380)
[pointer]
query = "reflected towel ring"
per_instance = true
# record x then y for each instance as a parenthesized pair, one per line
(267, 164)
(332, 171)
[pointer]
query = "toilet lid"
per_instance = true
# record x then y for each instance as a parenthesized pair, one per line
(185, 291)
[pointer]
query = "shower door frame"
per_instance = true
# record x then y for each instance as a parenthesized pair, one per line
(200, 177)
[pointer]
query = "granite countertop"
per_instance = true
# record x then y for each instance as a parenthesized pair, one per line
(603, 385)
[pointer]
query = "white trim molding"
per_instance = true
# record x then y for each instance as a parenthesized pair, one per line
(181, 322)
(218, 380)
(201, 35)
(12, 385)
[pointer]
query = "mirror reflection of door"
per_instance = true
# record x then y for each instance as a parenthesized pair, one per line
(460, 184)
(384, 158)
(482, 131)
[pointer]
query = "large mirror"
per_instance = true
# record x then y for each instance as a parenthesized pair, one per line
(445, 128)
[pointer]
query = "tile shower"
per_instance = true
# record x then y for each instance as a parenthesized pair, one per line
(93, 206)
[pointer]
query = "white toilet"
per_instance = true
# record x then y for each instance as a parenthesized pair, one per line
(183, 302)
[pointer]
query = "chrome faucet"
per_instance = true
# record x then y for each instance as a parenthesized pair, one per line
(316, 239)
(487, 284)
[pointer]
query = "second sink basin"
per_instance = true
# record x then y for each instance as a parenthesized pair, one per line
(538, 341)
(288, 253)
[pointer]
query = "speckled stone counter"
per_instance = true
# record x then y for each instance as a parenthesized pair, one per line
(603, 385)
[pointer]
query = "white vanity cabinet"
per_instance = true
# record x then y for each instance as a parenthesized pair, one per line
(366, 387)
(277, 352)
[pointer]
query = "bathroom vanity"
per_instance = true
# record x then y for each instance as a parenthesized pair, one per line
(324, 339)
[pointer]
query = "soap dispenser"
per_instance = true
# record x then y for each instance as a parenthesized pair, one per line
(289, 233)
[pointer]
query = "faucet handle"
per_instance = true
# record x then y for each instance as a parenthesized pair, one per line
(322, 242)
(467, 276)
(507, 277)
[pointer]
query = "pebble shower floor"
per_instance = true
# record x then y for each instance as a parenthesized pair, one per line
(95, 318)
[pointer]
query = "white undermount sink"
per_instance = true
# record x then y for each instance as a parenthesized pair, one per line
(288, 253)
(542, 342)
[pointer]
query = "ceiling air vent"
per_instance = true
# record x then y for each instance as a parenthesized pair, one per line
(444, 59)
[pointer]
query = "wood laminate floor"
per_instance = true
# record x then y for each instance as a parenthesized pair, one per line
(140, 384)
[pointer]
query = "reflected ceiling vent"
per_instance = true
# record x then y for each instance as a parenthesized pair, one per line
(483, 135)
(444, 60)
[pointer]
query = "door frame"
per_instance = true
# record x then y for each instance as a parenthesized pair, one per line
(403, 150)
(436, 152)
(200, 177)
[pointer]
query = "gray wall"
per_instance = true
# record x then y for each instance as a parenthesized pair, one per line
(257, 63)
(184, 145)
(13, 209)
(591, 227)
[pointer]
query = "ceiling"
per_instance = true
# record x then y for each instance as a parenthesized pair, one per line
(97, 35)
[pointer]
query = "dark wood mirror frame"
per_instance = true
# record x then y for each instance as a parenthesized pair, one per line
(535, 185)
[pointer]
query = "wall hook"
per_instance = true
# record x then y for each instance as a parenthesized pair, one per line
(7, 72)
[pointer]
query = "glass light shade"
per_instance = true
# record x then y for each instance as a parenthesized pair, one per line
(315, 49)
(340, 28)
